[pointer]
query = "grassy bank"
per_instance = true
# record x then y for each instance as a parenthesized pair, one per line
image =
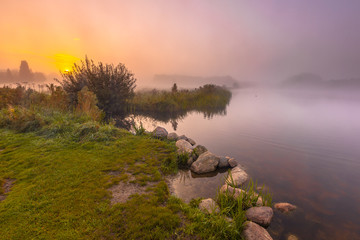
(208, 97)
(62, 164)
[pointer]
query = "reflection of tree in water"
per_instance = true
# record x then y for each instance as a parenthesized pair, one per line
(173, 117)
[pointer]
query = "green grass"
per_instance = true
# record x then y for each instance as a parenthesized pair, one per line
(62, 169)
(62, 178)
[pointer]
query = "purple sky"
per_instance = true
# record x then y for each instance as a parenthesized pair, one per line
(250, 40)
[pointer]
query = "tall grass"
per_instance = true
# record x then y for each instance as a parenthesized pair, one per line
(208, 97)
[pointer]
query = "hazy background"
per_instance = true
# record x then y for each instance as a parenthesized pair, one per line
(266, 41)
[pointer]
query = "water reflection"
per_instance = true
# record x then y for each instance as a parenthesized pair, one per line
(304, 147)
(172, 118)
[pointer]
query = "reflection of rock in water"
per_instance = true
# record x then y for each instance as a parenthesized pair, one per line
(188, 185)
(209, 174)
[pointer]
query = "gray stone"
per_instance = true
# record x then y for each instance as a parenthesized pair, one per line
(285, 207)
(235, 192)
(238, 177)
(172, 136)
(209, 206)
(206, 162)
(183, 137)
(160, 132)
(232, 162)
(253, 231)
(260, 215)
(192, 142)
(184, 146)
(223, 162)
(199, 149)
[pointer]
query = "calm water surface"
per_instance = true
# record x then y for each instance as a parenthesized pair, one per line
(303, 147)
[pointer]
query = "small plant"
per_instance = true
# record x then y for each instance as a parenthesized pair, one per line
(248, 194)
(182, 159)
(140, 130)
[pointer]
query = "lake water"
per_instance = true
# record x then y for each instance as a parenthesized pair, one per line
(304, 147)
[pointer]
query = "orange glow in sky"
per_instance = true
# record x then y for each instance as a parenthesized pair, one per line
(245, 39)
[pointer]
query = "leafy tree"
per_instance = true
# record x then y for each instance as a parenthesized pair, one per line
(113, 85)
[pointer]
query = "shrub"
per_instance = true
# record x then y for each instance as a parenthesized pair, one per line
(21, 119)
(112, 85)
(139, 130)
(87, 105)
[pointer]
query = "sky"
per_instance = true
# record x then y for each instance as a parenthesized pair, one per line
(250, 40)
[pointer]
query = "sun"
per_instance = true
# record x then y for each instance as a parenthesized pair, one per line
(64, 62)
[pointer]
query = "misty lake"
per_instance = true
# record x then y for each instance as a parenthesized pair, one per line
(305, 148)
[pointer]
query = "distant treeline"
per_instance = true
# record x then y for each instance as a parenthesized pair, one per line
(194, 81)
(23, 75)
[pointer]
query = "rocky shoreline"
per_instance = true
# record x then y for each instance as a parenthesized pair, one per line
(200, 161)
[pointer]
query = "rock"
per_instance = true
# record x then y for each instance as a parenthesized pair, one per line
(252, 231)
(232, 162)
(237, 192)
(190, 161)
(160, 132)
(223, 162)
(260, 215)
(192, 142)
(184, 146)
(292, 237)
(199, 149)
(172, 136)
(206, 162)
(238, 177)
(209, 206)
(183, 137)
(285, 207)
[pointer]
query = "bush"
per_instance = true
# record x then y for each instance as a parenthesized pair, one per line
(87, 105)
(112, 85)
(21, 119)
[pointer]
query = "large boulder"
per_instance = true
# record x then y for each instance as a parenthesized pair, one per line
(209, 206)
(260, 215)
(160, 132)
(252, 231)
(172, 136)
(285, 207)
(237, 177)
(237, 192)
(223, 162)
(184, 147)
(206, 162)
(198, 150)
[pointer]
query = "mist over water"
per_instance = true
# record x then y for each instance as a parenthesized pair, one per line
(303, 145)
